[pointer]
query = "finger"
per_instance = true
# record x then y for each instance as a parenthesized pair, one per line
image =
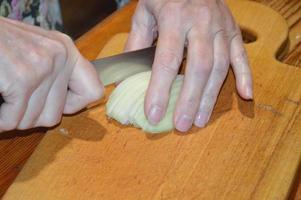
(62, 69)
(167, 60)
(12, 109)
(240, 65)
(215, 81)
(199, 65)
(238, 56)
(54, 105)
(35, 105)
(84, 87)
(143, 30)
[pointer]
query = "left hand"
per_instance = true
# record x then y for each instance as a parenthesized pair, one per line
(213, 40)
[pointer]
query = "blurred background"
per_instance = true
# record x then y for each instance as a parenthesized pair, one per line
(79, 16)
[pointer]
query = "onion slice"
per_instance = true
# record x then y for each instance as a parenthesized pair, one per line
(126, 103)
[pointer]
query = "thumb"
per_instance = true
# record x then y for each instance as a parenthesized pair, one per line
(84, 87)
(143, 30)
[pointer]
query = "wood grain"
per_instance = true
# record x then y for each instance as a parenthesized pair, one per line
(12, 160)
(249, 150)
(15, 149)
(291, 11)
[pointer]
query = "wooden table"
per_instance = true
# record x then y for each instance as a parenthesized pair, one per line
(16, 147)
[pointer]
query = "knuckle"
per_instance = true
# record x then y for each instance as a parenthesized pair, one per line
(223, 61)
(170, 10)
(202, 69)
(231, 26)
(60, 49)
(241, 56)
(192, 102)
(61, 36)
(43, 63)
(94, 95)
(171, 6)
(168, 62)
(204, 13)
(24, 75)
(136, 24)
(188, 104)
(234, 35)
(66, 39)
(35, 56)
(61, 42)
(139, 23)
(47, 65)
(55, 49)
(220, 31)
(97, 94)
(221, 66)
(168, 70)
(221, 71)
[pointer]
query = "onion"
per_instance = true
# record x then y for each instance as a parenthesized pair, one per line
(126, 103)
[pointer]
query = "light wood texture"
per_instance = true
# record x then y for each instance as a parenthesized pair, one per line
(114, 45)
(250, 150)
(17, 146)
(15, 149)
(291, 11)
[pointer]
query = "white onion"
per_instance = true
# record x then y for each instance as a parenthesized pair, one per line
(126, 103)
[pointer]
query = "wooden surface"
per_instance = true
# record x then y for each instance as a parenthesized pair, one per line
(250, 150)
(17, 146)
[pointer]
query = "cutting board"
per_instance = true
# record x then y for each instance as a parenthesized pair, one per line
(249, 150)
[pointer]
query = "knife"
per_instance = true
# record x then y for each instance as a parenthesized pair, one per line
(115, 68)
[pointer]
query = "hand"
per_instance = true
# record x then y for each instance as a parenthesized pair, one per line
(42, 76)
(213, 40)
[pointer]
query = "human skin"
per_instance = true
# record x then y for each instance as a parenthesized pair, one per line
(213, 40)
(42, 76)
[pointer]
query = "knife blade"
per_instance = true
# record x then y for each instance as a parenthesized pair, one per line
(118, 67)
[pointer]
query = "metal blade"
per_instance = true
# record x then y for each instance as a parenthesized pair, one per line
(116, 68)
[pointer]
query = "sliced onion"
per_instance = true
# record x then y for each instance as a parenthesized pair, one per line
(126, 103)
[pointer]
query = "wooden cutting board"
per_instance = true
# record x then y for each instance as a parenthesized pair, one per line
(249, 150)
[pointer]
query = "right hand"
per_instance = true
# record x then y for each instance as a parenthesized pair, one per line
(42, 76)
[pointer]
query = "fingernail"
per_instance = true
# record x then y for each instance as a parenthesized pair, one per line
(201, 119)
(249, 92)
(155, 114)
(184, 123)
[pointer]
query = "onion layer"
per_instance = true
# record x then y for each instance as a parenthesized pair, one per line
(126, 103)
